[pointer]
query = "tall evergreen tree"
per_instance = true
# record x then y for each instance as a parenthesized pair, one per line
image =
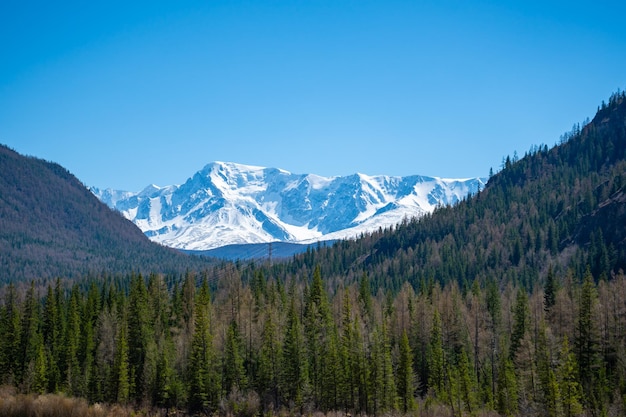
(30, 333)
(73, 375)
(382, 391)
(52, 338)
(204, 386)
(507, 393)
(549, 291)
(569, 385)
(322, 344)
(122, 372)
(550, 398)
(521, 317)
(270, 359)
(295, 369)
(140, 336)
(468, 386)
(436, 358)
(10, 340)
(233, 373)
(406, 376)
(587, 344)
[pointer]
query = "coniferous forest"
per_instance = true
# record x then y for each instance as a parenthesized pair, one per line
(294, 346)
(512, 303)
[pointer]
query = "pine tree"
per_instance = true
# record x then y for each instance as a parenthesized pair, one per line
(10, 340)
(361, 370)
(270, 359)
(494, 307)
(550, 393)
(233, 374)
(521, 317)
(587, 343)
(40, 368)
(295, 370)
(436, 358)
(382, 389)
(365, 296)
(468, 386)
(87, 347)
(331, 368)
(52, 338)
(350, 359)
(122, 373)
(406, 377)
(30, 335)
(140, 336)
(549, 291)
(570, 389)
(321, 337)
(507, 393)
(73, 375)
(204, 386)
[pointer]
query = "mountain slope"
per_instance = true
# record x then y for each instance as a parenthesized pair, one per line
(563, 207)
(227, 203)
(52, 226)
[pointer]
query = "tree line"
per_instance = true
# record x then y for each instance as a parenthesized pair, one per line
(211, 344)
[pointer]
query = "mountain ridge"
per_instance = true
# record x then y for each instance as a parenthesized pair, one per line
(228, 203)
(52, 226)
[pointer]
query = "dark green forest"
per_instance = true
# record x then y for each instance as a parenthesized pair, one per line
(512, 302)
(269, 345)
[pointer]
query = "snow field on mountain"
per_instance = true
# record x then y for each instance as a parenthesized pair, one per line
(228, 203)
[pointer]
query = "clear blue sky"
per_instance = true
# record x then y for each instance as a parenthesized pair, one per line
(124, 94)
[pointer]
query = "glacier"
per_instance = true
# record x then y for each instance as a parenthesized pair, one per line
(227, 203)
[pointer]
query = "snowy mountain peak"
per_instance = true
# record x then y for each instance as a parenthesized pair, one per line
(227, 203)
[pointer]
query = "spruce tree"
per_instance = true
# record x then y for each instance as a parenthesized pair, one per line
(140, 335)
(51, 338)
(549, 291)
(550, 398)
(40, 368)
(468, 386)
(406, 377)
(521, 321)
(382, 391)
(295, 369)
(270, 359)
(587, 344)
(122, 366)
(436, 358)
(73, 376)
(204, 386)
(569, 385)
(507, 393)
(233, 373)
(30, 333)
(10, 340)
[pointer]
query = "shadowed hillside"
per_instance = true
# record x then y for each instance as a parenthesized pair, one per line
(51, 225)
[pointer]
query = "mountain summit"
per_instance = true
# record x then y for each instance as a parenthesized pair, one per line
(227, 203)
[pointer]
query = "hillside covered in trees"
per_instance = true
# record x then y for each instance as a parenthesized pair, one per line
(562, 206)
(512, 302)
(52, 226)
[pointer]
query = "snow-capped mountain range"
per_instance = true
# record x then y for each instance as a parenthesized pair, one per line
(229, 203)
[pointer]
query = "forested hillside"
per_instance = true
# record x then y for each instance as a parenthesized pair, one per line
(561, 206)
(511, 303)
(51, 226)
